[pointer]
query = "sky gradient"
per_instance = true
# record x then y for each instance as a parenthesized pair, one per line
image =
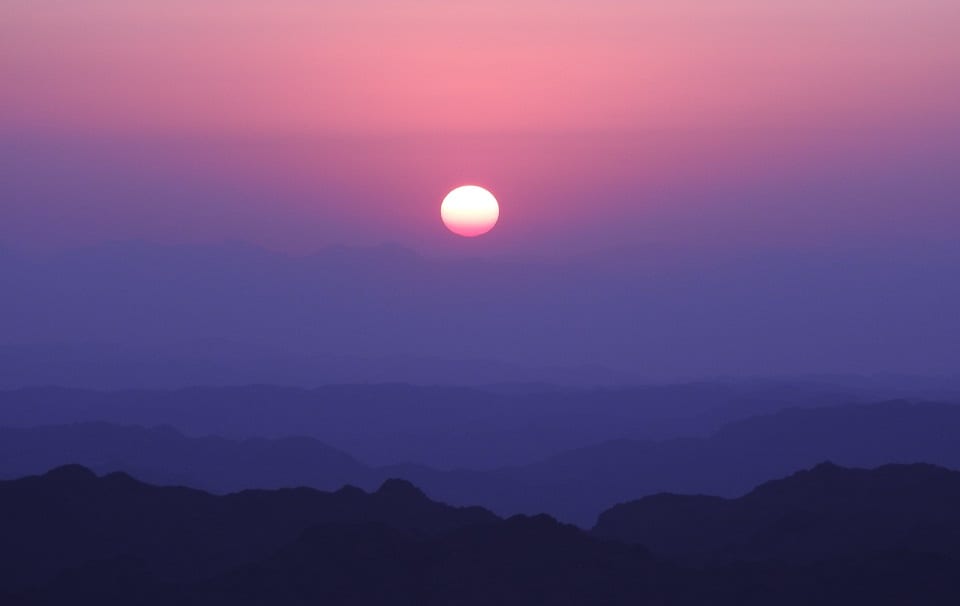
(374, 67)
(687, 188)
(297, 125)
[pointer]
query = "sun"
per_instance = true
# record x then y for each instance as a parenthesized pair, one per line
(469, 211)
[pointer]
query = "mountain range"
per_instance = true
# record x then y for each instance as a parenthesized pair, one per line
(443, 427)
(827, 511)
(574, 486)
(69, 516)
(827, 535)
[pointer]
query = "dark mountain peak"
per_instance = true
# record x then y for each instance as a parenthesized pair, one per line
(831, 483)
(540, 519)
(70, 473)
(398, 489)
(813, 513)
(826, 467)
(825, 472)
(70, 516)
(540, 524)
(807, 488)
(349, 490)
(119, 478)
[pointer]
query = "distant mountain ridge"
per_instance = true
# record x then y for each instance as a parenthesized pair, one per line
(162, 455)
(574, 486)
(644, 313)
(438, 426)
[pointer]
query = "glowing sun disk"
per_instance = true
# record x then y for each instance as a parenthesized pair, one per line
(469, 211)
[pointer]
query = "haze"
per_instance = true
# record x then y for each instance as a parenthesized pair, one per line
(690, 188)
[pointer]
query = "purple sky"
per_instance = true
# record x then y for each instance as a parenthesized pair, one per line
(692, 155)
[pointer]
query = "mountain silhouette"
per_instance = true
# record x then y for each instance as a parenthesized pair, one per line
(70, 516)
(523, 560)
(577, 485)
(827, 511)
(162, 455)
(443, 427)
(574, 486)
(829, 535)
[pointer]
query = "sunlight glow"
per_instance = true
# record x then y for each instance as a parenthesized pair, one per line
(469, 211)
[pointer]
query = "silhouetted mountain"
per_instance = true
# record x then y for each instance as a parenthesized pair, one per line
(164, 456)
(828, 511)
(519, 561)
(125, 542)
(69, 516)
(442, 427)
(574, 486)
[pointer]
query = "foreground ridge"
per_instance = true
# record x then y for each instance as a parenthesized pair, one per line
(887, 536)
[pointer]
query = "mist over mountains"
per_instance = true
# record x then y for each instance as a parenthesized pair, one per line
(443, 427)
(574, 485)
(501, 303)
(521, 385)
(218, 363)
(516, 386)
(186, 312)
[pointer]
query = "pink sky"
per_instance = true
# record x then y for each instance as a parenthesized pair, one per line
(351, 119)
(377, 66)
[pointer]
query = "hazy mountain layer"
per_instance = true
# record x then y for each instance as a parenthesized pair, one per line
(439, 426)
(574, 486)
